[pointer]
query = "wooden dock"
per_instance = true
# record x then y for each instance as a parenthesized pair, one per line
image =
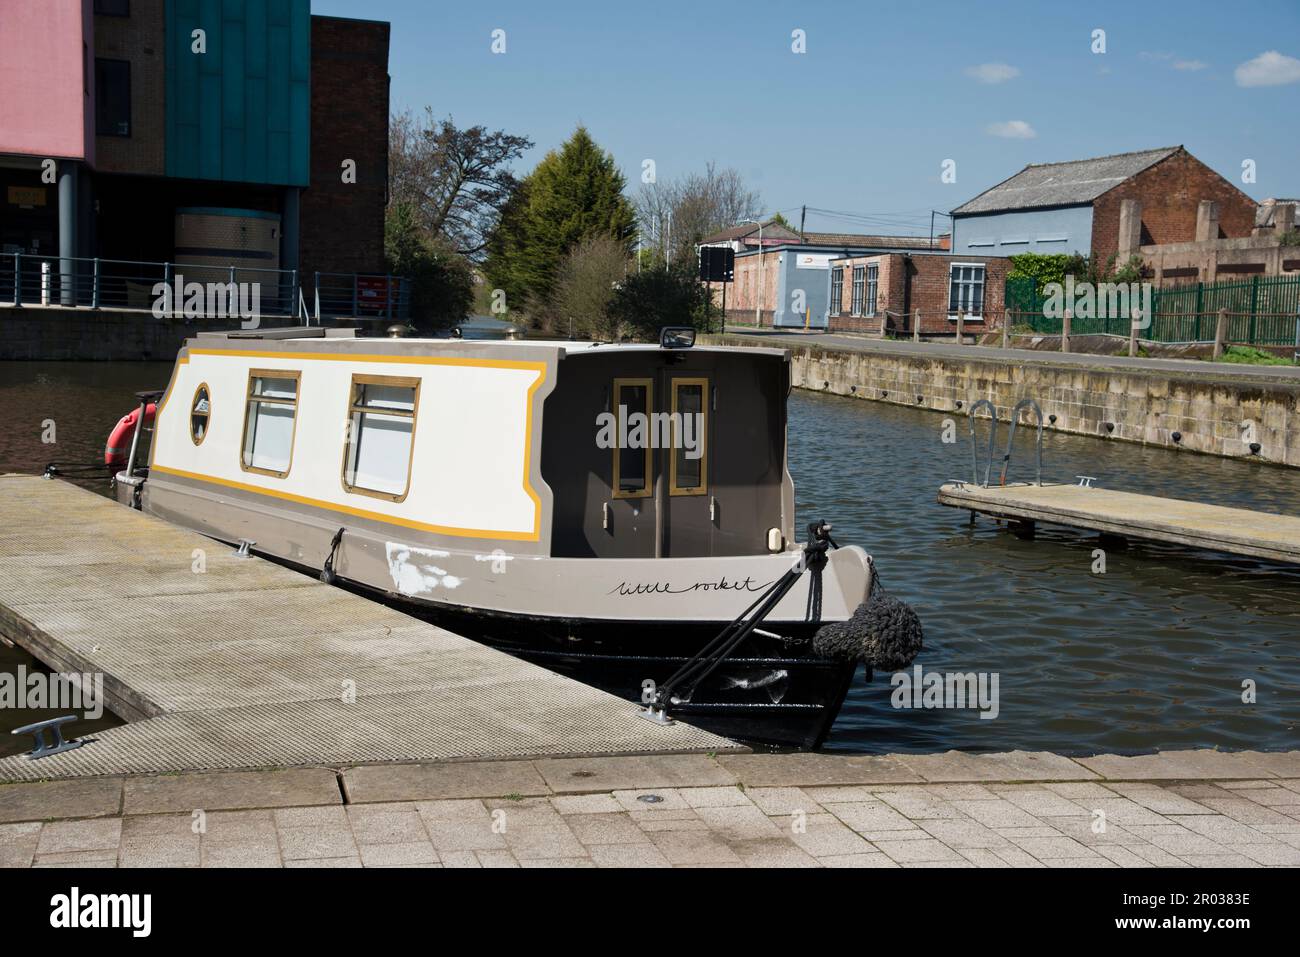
(222, 662)
(1129, 515)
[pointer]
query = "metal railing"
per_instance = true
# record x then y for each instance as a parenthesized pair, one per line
(197, 291)
(337, 294)
(1261, 311)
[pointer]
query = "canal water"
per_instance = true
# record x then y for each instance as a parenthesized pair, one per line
(1151, 654)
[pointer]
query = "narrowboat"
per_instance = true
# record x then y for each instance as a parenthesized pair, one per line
(604, 510)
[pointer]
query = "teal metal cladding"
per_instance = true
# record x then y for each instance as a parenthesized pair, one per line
(242, 110)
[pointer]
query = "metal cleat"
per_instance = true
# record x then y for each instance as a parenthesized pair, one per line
(243, 550)
(656, 713)
(1085, 481)
(37, 731)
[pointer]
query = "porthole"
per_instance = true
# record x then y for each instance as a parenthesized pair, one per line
(200, 414)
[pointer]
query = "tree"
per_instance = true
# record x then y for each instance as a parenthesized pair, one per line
(779, 220)
(584, 286)
(455, 182)
(575, 193)
(699, 204)
(647, 301)
(441, 280)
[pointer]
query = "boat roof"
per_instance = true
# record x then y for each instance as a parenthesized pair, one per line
(309, 337)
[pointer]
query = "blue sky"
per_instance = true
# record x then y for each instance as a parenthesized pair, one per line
(863, 121)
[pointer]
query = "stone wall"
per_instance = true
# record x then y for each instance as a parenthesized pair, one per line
(34, 333)
(1214, 413)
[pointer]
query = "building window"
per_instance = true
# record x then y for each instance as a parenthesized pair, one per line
(689, 471)
(632, 465)
(966, 289)
(837, 289)
(855, 301)
(200, 413)
(873, 274)
(381, 436)
(112, 97)
(270, 418)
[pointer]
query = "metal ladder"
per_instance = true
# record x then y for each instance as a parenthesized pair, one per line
(1011, 437)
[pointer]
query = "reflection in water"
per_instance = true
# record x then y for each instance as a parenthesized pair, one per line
(1150, 655)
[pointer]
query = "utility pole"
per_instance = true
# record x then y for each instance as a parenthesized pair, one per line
(803, 215)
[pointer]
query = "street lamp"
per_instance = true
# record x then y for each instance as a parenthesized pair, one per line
(758, 292)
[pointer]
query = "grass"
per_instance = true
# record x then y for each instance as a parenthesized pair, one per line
(1249, 355)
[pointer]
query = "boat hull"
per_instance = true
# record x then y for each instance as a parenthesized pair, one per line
(772, 693)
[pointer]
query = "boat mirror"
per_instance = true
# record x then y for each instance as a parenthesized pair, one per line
(676, 337)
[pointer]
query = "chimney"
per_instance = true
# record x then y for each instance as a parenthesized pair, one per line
(1207, 221)
(1130, 228)
(1283, 218)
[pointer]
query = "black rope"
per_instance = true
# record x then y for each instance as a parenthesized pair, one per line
(698, 668)
(327, 570)
(54, 468)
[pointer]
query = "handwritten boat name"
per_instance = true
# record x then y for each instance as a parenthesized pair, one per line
(625, 588)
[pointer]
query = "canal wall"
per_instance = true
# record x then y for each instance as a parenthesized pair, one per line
(1210, 411)
(106, 335)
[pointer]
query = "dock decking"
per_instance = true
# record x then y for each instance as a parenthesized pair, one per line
(246, 664)
(1129, 515)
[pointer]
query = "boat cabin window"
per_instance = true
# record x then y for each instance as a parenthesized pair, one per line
(688, 471)
(381, 430)
(269, 421)
(200, 410)
(632, 408)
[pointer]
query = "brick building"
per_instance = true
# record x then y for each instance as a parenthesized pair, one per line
(785, 285)
(343, 223)
(883, 292)
(1083, 206)
(1272, 250)
(168, 150)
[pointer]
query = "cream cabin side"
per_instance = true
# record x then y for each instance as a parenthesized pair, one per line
(280, 443)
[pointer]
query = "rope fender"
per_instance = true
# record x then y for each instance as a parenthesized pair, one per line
(884, 632)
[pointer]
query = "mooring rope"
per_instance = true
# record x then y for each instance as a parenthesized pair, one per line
(698, 668)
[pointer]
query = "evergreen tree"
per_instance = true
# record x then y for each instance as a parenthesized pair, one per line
(574, 194)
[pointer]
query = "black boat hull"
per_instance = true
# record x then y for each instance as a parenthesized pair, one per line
(773, 693)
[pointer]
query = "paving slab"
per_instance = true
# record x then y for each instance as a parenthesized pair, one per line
(587, 775)
(958, 767)
(230, 790)
(60, 800)
(433, 782)
(1193, 765)
(811, 770)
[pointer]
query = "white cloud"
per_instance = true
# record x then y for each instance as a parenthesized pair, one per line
(993, 72)
(1012, 130)
(1189, 65)
(1269, 69)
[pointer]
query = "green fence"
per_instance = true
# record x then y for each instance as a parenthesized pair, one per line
(1261, 311)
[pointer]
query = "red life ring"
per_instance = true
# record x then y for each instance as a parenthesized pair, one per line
(119, 440)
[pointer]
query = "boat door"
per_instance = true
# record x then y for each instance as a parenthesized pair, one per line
(685, 499)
